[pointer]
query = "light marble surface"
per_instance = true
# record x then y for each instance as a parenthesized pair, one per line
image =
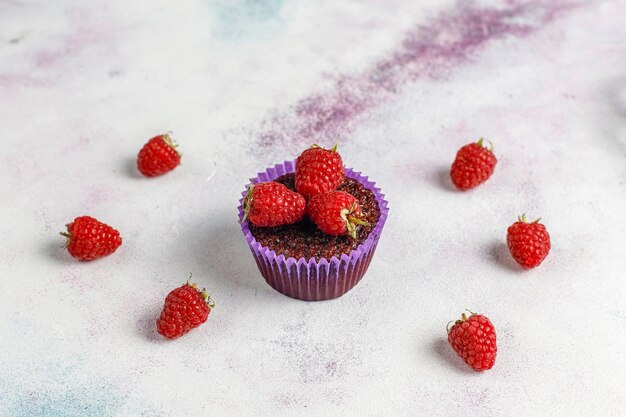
(245, 84)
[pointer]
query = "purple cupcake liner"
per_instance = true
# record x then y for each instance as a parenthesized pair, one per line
(310, 279)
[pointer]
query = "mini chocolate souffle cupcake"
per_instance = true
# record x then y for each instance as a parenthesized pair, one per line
(302, 261)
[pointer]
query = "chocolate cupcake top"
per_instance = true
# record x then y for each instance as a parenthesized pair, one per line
(305, 240)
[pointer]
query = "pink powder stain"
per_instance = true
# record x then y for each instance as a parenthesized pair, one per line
(73, 279)
(76, 144)
(98, 196)
(10, 79)
(285, 401)
(10, 83)
(86, 32)
(431, 50)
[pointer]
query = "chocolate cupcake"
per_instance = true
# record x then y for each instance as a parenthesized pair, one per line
(301, 261)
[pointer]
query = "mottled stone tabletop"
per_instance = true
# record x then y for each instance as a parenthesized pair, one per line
(244, 84)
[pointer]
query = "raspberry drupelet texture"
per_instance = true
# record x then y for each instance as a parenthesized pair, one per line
(157, 157)
(529, 243)
(89, 239)
(185, 308)
(336, 213)
(305, 240)
(473, 338)
(270, 204)
(318, 171)
(473, 165)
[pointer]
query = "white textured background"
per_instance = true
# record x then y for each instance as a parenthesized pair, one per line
(245, 84)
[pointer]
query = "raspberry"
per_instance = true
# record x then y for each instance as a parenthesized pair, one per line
(474, 340)
(89, 239)
(529, 243)
(157, 157)
(318, 171)
(336, 213)
(185, 308)
(270, 204)
(472, 166)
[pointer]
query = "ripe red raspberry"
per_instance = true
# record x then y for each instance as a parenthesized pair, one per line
(529, 243)
(89, 239)
(474, 340)
(336, 213)
(472, 166)
(270, 204)
(185, 308)
(318, 171)
(157, 157)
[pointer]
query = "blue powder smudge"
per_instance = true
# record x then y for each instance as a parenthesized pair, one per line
(62, 389)
(68, 399)
(78, 401)
(73, 401)
(246, 19)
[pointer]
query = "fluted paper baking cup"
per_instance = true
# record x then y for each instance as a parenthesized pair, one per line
(312, 279)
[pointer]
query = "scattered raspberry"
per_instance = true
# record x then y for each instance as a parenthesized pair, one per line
(157, 157)
(89, 239)
(185, 308)
(318, 171)
(474, 340)
(472, 166)
(336, 213)
(529, 243)
(270, 204)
